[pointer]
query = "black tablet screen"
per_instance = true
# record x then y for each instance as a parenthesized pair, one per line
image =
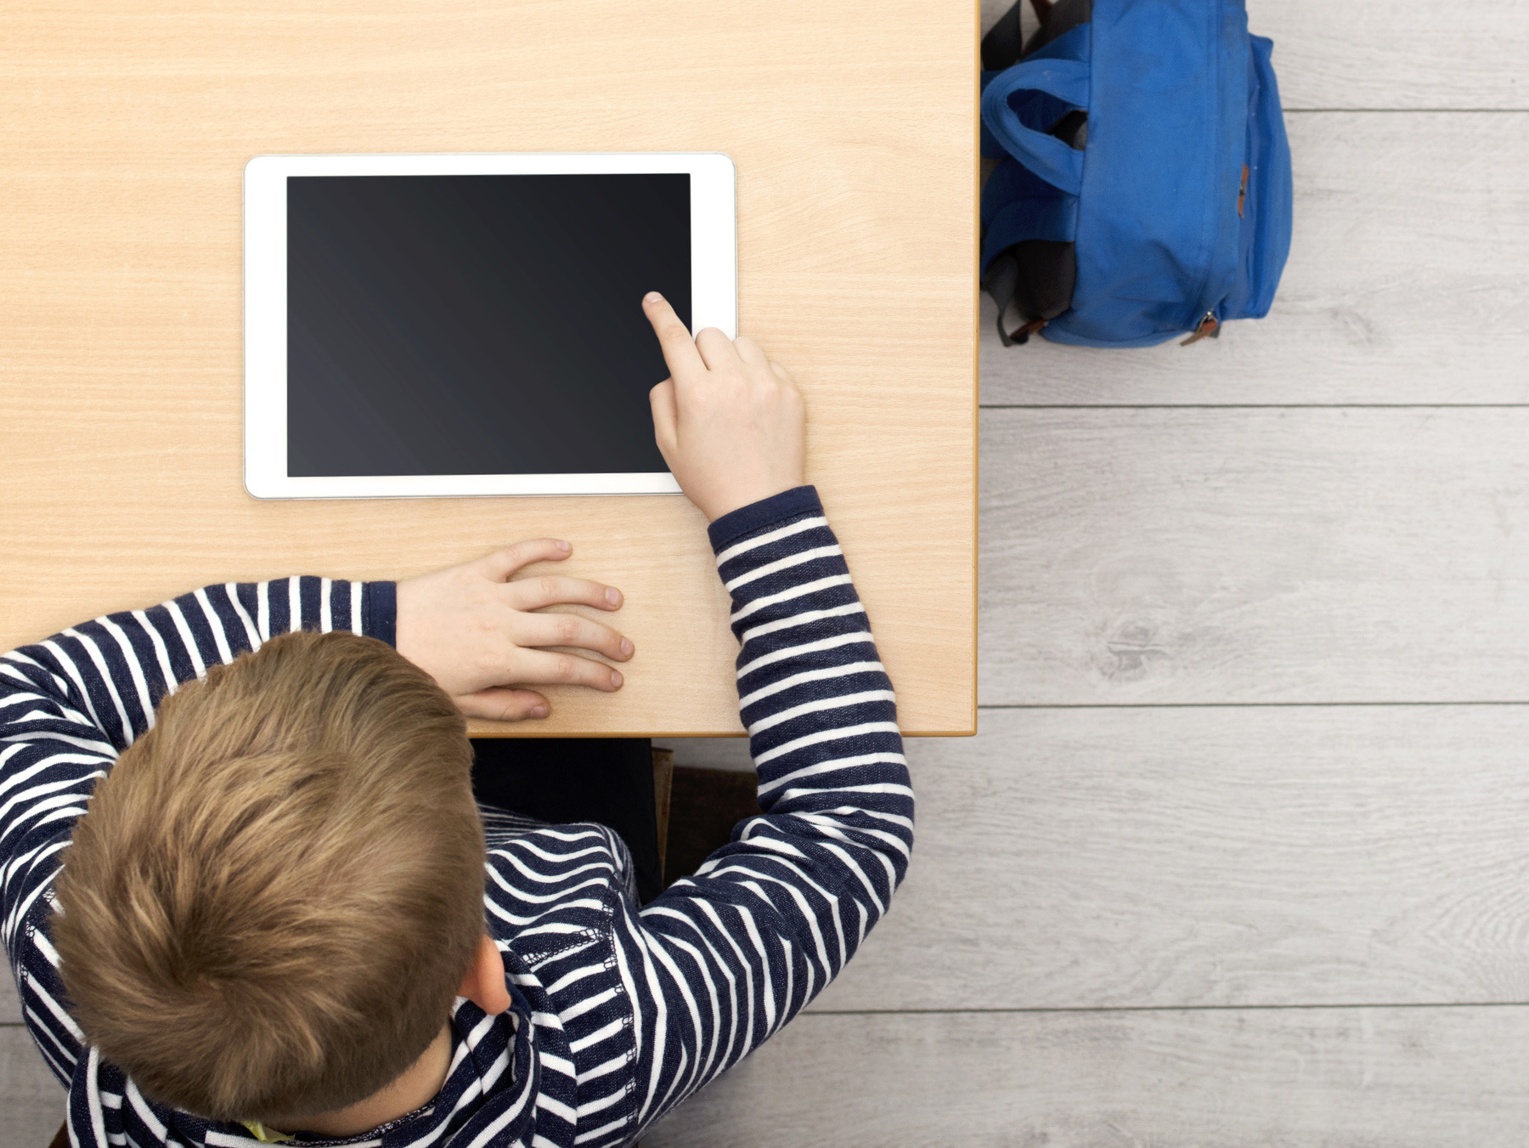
(478, 324)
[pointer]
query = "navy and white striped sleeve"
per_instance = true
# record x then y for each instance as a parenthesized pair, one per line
(71, 703)
(722, 960)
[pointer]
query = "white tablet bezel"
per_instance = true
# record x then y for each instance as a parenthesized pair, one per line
(713, 293)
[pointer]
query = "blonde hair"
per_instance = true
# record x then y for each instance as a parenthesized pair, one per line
(276, 891)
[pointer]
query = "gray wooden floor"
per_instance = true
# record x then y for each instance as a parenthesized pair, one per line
(1241, 853)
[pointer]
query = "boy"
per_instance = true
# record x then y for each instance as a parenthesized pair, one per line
(273, 922)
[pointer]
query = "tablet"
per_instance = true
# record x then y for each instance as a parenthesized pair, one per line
(471, 324)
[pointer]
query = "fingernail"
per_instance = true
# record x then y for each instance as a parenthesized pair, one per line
(652, 297)
(613, 595)
(538, 711)
(615, 679)
(626, 647)
(563, 546)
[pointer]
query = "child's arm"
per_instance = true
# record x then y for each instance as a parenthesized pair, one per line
(70, 704)
(722, 960)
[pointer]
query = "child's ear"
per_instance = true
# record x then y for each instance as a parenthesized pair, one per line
(483, 983)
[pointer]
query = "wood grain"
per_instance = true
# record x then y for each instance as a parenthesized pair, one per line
(1387, 54)
(1176, 556)
(1211, 856)
(1406, 284)
(124, 129)
(1353, 1078)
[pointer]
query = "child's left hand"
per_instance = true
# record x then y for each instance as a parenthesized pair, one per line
(476, 630)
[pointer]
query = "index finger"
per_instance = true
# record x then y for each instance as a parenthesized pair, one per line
(673, 336)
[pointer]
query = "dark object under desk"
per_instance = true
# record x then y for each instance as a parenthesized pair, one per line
(560, 780)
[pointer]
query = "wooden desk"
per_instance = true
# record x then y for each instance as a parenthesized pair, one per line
(124, 130)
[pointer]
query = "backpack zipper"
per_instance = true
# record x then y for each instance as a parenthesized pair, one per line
(1229, 20)
(1209, 328)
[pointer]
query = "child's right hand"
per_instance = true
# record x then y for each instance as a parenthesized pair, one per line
(480, 632)
(729, 422)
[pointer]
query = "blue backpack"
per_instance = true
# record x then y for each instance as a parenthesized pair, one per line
(1144, 190)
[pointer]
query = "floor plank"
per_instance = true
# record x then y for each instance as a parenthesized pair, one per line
(1403, 1078)
(1397, 53)
(727, 753)
(1216, 856)
(1405, 284)
(1387, 53)
(31, 1100)
(1156, 556)
(10, 1004)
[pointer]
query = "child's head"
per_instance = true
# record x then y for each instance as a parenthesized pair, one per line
(276, 891)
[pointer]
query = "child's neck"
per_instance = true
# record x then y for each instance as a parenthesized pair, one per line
(419, 1082)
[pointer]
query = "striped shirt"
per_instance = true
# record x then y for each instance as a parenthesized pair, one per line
(618, 1013)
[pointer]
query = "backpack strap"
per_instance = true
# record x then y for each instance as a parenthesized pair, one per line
(1002, 283)
(1055, 161)
(1023, 209)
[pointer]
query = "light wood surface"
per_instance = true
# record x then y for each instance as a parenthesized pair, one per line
(1402, 1078)
(1212, 856)
(126, 129)
(1305, 555)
